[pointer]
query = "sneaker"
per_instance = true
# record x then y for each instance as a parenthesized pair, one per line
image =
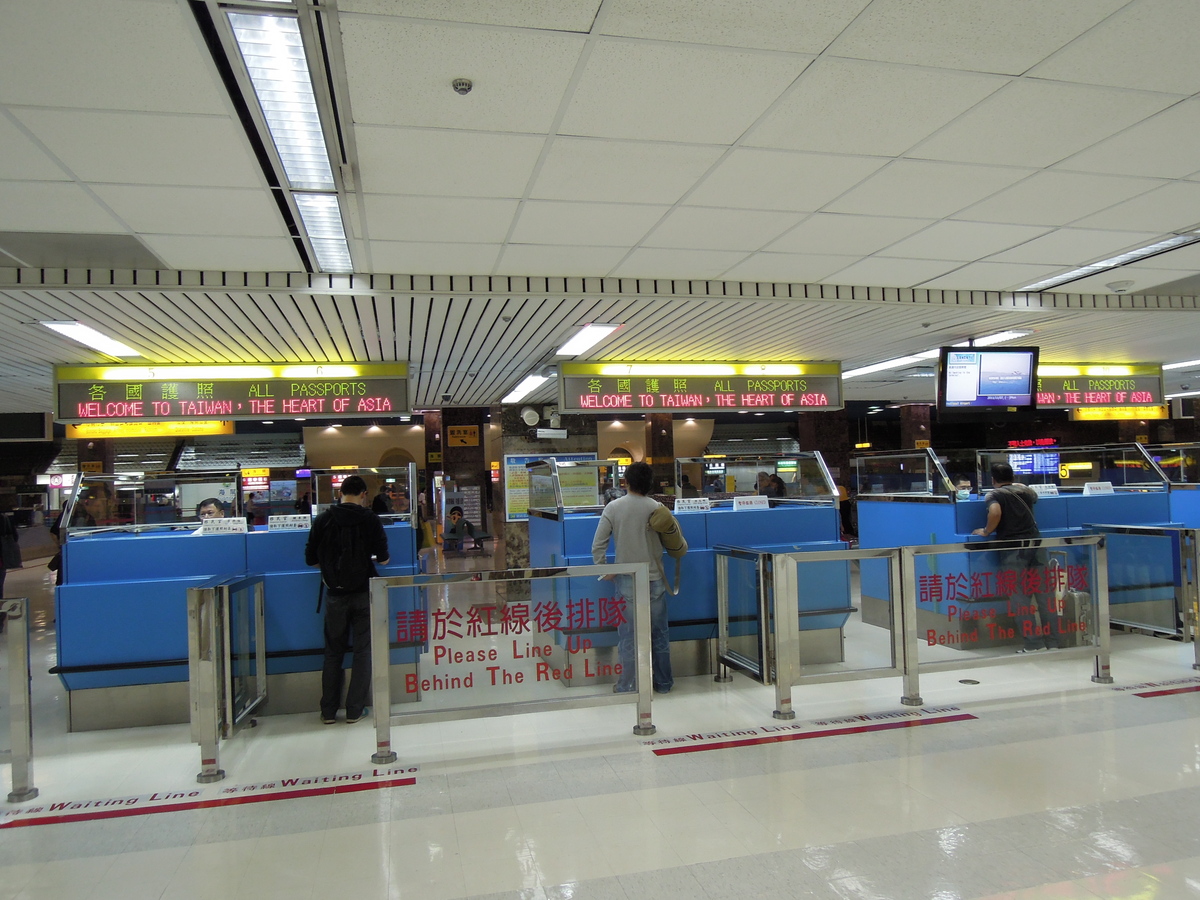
(350, 720)
(327, 720)
(1030, 650)
(662, 690)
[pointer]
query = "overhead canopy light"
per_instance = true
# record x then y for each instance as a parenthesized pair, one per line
(1113, 262)
(90, 337)
(527, 386)
(1182, 365)
(899, 362)
(591, 334)
(322, 217)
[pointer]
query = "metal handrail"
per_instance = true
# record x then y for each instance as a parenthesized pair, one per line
(20, 710)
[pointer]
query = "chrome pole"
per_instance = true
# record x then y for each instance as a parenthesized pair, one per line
(204, 679)
(381, 684)
(904, 594)
(1099, 555)
(722, 562)
(20, 703)
(785, 624)
(641, 630)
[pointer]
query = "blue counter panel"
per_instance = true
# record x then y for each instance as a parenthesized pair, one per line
(144, 557)
(1185, 508)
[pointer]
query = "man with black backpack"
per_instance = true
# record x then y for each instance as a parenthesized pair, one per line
(343, 540)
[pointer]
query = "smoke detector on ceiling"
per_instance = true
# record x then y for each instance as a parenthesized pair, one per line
(1119, 287)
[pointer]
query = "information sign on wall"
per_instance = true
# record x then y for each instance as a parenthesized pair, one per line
(190, 393)
(462, 435)
(516, 481)
(699, 387)
(1085, 385)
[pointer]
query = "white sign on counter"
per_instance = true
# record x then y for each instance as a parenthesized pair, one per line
(1045, 490)
(235, 525)
(1095, 488)
(692, 504)
(754, 502)
(299, 522)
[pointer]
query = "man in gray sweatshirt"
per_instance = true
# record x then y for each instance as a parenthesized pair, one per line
(627, 521)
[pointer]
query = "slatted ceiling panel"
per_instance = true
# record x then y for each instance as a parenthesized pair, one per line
(266, 310)
(290, 310)
(310, 311)
(367, 309)
(169, 329)
(214, 316)
(238, 308)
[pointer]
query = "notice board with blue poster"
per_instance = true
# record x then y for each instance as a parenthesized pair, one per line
(516, 481)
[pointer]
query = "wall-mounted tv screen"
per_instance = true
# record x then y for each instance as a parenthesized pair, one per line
(996, 379)
(1033, 463)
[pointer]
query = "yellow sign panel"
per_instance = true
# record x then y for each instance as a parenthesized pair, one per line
(94, 466)
(434, 457)
(462, 435)
(256, 473)
(343, 468)
(1109, 413)
(91, 430)
(921, 445)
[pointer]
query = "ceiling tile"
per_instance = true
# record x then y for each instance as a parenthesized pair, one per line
(52, 206)
(1038, 123)
(1056, 197)
(1161, 146)
(989, 276)
(545, 260)
(1149, 45)
(1172, 207)
(696, 227)
(120, 54)
(914, 187)
(963, 240)
(251, 254)
(675, 92)
(781, 180)
(22, 159)
(139, 148)
(446, 163)
(1075, 246)
(795, 268)
(655, 263)
(1144, 282)
(519, 76)
(43, 249)
(550, 15)
(585, 224)
(805, 26)
(832, 233)
(221, 211)
(438, 219)
(880, 272)
(893, 107)
(1182, 258)
(1004, 36)
(424, 258)
(621, 171)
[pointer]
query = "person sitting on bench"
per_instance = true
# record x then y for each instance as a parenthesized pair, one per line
(459, 531)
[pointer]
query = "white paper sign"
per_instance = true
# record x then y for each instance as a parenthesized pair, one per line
(1045, 490)
(289, 523)
(1095, 488)
(755, 502)
(693, 504)
(236, 525)
(557, 434)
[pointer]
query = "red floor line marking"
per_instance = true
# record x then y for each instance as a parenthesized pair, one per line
(207, 804)
(1164, 693)
(803, 736)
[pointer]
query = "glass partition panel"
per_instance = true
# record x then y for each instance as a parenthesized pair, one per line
(134, 502)
(1179, 462)
(5, 701)
(1145, 577)
(796, 476)
(745, 644)
(242, 627)
(837, 633)
(391, 489)
(573, 485)
(914, 472)
(1127, 467)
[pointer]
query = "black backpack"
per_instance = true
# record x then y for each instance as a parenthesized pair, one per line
(345, 558)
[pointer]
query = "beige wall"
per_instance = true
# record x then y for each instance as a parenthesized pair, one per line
(691, 437)
(362, 445)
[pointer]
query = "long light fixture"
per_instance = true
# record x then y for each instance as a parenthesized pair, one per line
(1182, 365)
(273, 51)
(90, 337)
(1114, 262)
(899, 362)
(527, 386)
(592, 334)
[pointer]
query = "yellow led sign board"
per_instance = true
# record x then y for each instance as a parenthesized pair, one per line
(1086, 385)
(91, 430)
(194, 393)
(699, 387)
(1114, 413)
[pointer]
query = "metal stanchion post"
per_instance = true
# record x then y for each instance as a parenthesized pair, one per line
(1103, 672)
(784, 620)
(722, 618)
(641, 630)
(381, 687)
(21, 709)
(204, 675)
(904, 594)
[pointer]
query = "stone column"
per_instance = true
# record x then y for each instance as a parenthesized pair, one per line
(660, 447)
(914, 425)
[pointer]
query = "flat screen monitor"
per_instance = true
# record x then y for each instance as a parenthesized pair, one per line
(992, 379)
(1033, 463)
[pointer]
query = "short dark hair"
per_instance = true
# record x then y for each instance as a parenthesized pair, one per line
(1002, 472)
(639, 477)
(353, 486)
(456, 509)
(211, 501)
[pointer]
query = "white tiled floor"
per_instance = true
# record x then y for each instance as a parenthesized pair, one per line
(1058, 788)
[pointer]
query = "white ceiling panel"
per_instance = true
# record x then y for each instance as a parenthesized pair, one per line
(781, 180)
(673, 92)
(1056, 198)
(585, 224)
(1144, 280)
(1150, 45)
(621, 171)
(551, 15)
(1163, 146)
(915, 187)
(438, 219)
(832, 233)
(142, 148)
(437, 259)
(990, 276)
(22, 159)
(539, 259)
(1004, 36)
(447, 163)
(719, 229)
(217, 253)
(856, 106)
(789, 267)
(52, 206)
(1075, 247)
(189, 210)
(963, 240)
(804, 26)
(121, 54)
(884, 272)
(1183, 258)
(1172, 207)
(1038, 123)
(519, 76)
(655, 263)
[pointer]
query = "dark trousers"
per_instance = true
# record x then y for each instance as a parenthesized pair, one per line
(347, 625)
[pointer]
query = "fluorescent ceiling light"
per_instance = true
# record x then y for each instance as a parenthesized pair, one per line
(524, 389)
(985, 341)
(1182, 365)
(90, 337)
(592, 334)
(322, 217)
(1113, 262)
(998, 338)
(881, 366)
(1183, 394)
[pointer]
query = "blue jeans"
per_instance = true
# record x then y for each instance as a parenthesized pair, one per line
(1025, 605)
(660, 637)
(347, 627)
